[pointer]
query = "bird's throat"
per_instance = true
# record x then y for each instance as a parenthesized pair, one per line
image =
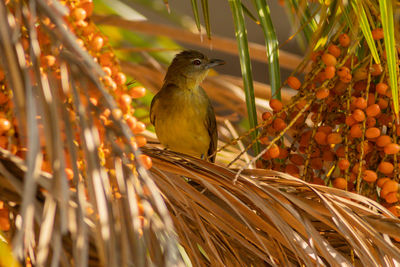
(190, 83)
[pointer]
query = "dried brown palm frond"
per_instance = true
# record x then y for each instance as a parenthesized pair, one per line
(270, 217)
(96, 217)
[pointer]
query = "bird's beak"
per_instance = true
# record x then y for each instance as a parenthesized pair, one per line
(214, 62)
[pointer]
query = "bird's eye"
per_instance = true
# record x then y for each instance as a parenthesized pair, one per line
(197, 62)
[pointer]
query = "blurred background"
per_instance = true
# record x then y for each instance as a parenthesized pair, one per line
(221, 26)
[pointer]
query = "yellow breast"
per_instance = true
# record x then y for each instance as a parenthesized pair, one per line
(180, 117)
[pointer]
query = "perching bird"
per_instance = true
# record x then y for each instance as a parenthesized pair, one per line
(181, 112)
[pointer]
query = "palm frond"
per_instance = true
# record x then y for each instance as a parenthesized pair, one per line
(387, 13)
(206, 16)
(366, 28)
(245, 65)
(271, 43)
(73, 220)
(268, 216)
(196, 14)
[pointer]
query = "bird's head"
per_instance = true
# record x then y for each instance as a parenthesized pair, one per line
(191, 65)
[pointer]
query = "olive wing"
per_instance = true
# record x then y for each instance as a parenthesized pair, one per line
(152, 109)
(211, 125)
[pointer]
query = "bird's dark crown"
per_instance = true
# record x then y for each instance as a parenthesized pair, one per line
(190, 54)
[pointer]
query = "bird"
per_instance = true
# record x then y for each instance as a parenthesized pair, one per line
(181, 112)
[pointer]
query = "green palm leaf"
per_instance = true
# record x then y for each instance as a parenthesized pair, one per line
(386, 8)
(245, 64)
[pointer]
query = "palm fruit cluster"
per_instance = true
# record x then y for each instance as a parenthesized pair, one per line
(340, 129)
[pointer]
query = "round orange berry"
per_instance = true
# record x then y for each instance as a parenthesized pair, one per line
(369, 176)
(377, 33)
(140, 127)
(97, 43)
(381, 181)
(360, 103)
(120, 78)
(358, 115)
(275, 104)
(294, 83)
(273, 151)
(344, 40)
(340, 183)
(350, 121)
(79, 14)
(381, 88)
(329, 59)
(373, 110)
(322, 93)
(383, 140)
(334, 138)
(392, 197)
(137, 92)
(383, 103)
(266, 115)
(125, 100)
(391, 149)
(389, 186)
(321, 138)
(343, 164)
(5, 125)
(371, 122)
(334, 50)
(146, 161)
(343, 71)
(386, 167)
(356, 131)
(376, 69)
(140, 140)
(279, 124)
(330, 72)
(372, 132)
